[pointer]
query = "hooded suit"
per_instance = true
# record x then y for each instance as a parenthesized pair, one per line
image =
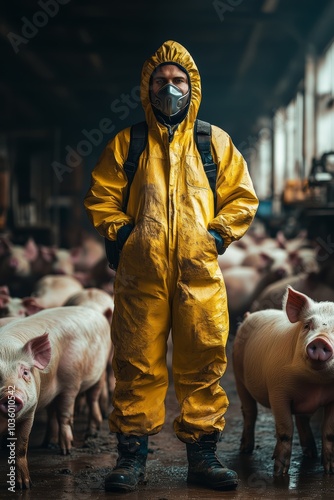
(168, 277)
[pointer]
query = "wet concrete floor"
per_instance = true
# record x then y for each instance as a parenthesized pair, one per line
(81, 475)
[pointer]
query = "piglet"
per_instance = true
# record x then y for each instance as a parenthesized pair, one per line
(284, 360)
(56, 353)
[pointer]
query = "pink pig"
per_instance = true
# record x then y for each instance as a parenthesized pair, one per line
(56, 353)
(284, 360)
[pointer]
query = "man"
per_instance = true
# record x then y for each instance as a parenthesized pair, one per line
(168, 276)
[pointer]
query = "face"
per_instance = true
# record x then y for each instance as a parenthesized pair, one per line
(170, 73)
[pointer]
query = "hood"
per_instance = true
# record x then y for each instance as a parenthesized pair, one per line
(171, 52)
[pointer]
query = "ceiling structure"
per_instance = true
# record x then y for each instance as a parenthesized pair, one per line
(69, 64)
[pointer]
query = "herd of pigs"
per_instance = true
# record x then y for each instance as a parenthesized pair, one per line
(56, 310)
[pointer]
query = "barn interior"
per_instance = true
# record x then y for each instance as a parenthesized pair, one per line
(68, 66)
(69, 81)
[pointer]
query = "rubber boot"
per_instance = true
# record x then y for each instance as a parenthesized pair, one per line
(131, 464)
(204, 466)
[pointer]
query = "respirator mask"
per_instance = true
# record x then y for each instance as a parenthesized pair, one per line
(169, 100)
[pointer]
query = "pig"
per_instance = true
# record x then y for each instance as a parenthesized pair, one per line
(91, 297)
(98, 276)
(99, 300)
(50, 260)
(51, 291)
(311, 284)
(259, 259)
(243, 285)
(63, 262)
(14, 260)
(299, 241)
(56, 260)
(284, 360)
(15, 266)
(48, 359)
(88, 254)
(233, 256)
(6, 320)
(11, 306)
(315, 280)
(280, 259)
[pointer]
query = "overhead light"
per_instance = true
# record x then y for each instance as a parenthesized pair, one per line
(270, 6)
(329, 162)
(322, 170)
(323, 177)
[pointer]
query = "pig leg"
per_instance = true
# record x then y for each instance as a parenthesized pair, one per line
(95, 416)
(104, 400)
(110, 374)
(284, 433)
(328, 439)
(80, 404)
(306, 438)
(52, 429)
(65, 411)
(249, 412)
(22, 432)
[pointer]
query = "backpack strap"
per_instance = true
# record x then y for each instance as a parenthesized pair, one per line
(138, 141)
(203, 142)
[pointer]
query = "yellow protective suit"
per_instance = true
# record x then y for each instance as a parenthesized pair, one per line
(168, 276)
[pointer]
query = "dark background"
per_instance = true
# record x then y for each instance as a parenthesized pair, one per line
(250, 54)
(67, 66)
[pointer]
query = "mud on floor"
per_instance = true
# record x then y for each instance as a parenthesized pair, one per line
(81, 474)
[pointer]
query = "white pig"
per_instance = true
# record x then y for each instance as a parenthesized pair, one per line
(51, 291)
(99, 300)
(284, 360)
(5, 321)
(91, 297)
(57, 353)
(11, 306)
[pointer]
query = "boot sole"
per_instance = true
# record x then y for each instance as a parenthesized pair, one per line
(124, 487)
(119, 487)
(228, 484)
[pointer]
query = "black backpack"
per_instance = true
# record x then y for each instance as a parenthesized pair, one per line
(138, 141)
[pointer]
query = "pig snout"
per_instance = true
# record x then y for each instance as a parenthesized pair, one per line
(13, 262)
(281, 272)
(319, 350)
(5, 407)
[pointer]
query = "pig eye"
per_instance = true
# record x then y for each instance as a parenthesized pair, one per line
(307, 326)
(25, 373)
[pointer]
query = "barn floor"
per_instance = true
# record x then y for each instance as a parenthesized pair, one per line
(81, 475)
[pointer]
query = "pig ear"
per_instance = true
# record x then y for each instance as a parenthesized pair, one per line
(4, 299)
(31, 306)
(281, 239)
(4, 290)
(75, 252)
(48, 254)
(4, 246)
(31, 250)
(295, 303)
(267, 259)
(108, 314)
(40, 349)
